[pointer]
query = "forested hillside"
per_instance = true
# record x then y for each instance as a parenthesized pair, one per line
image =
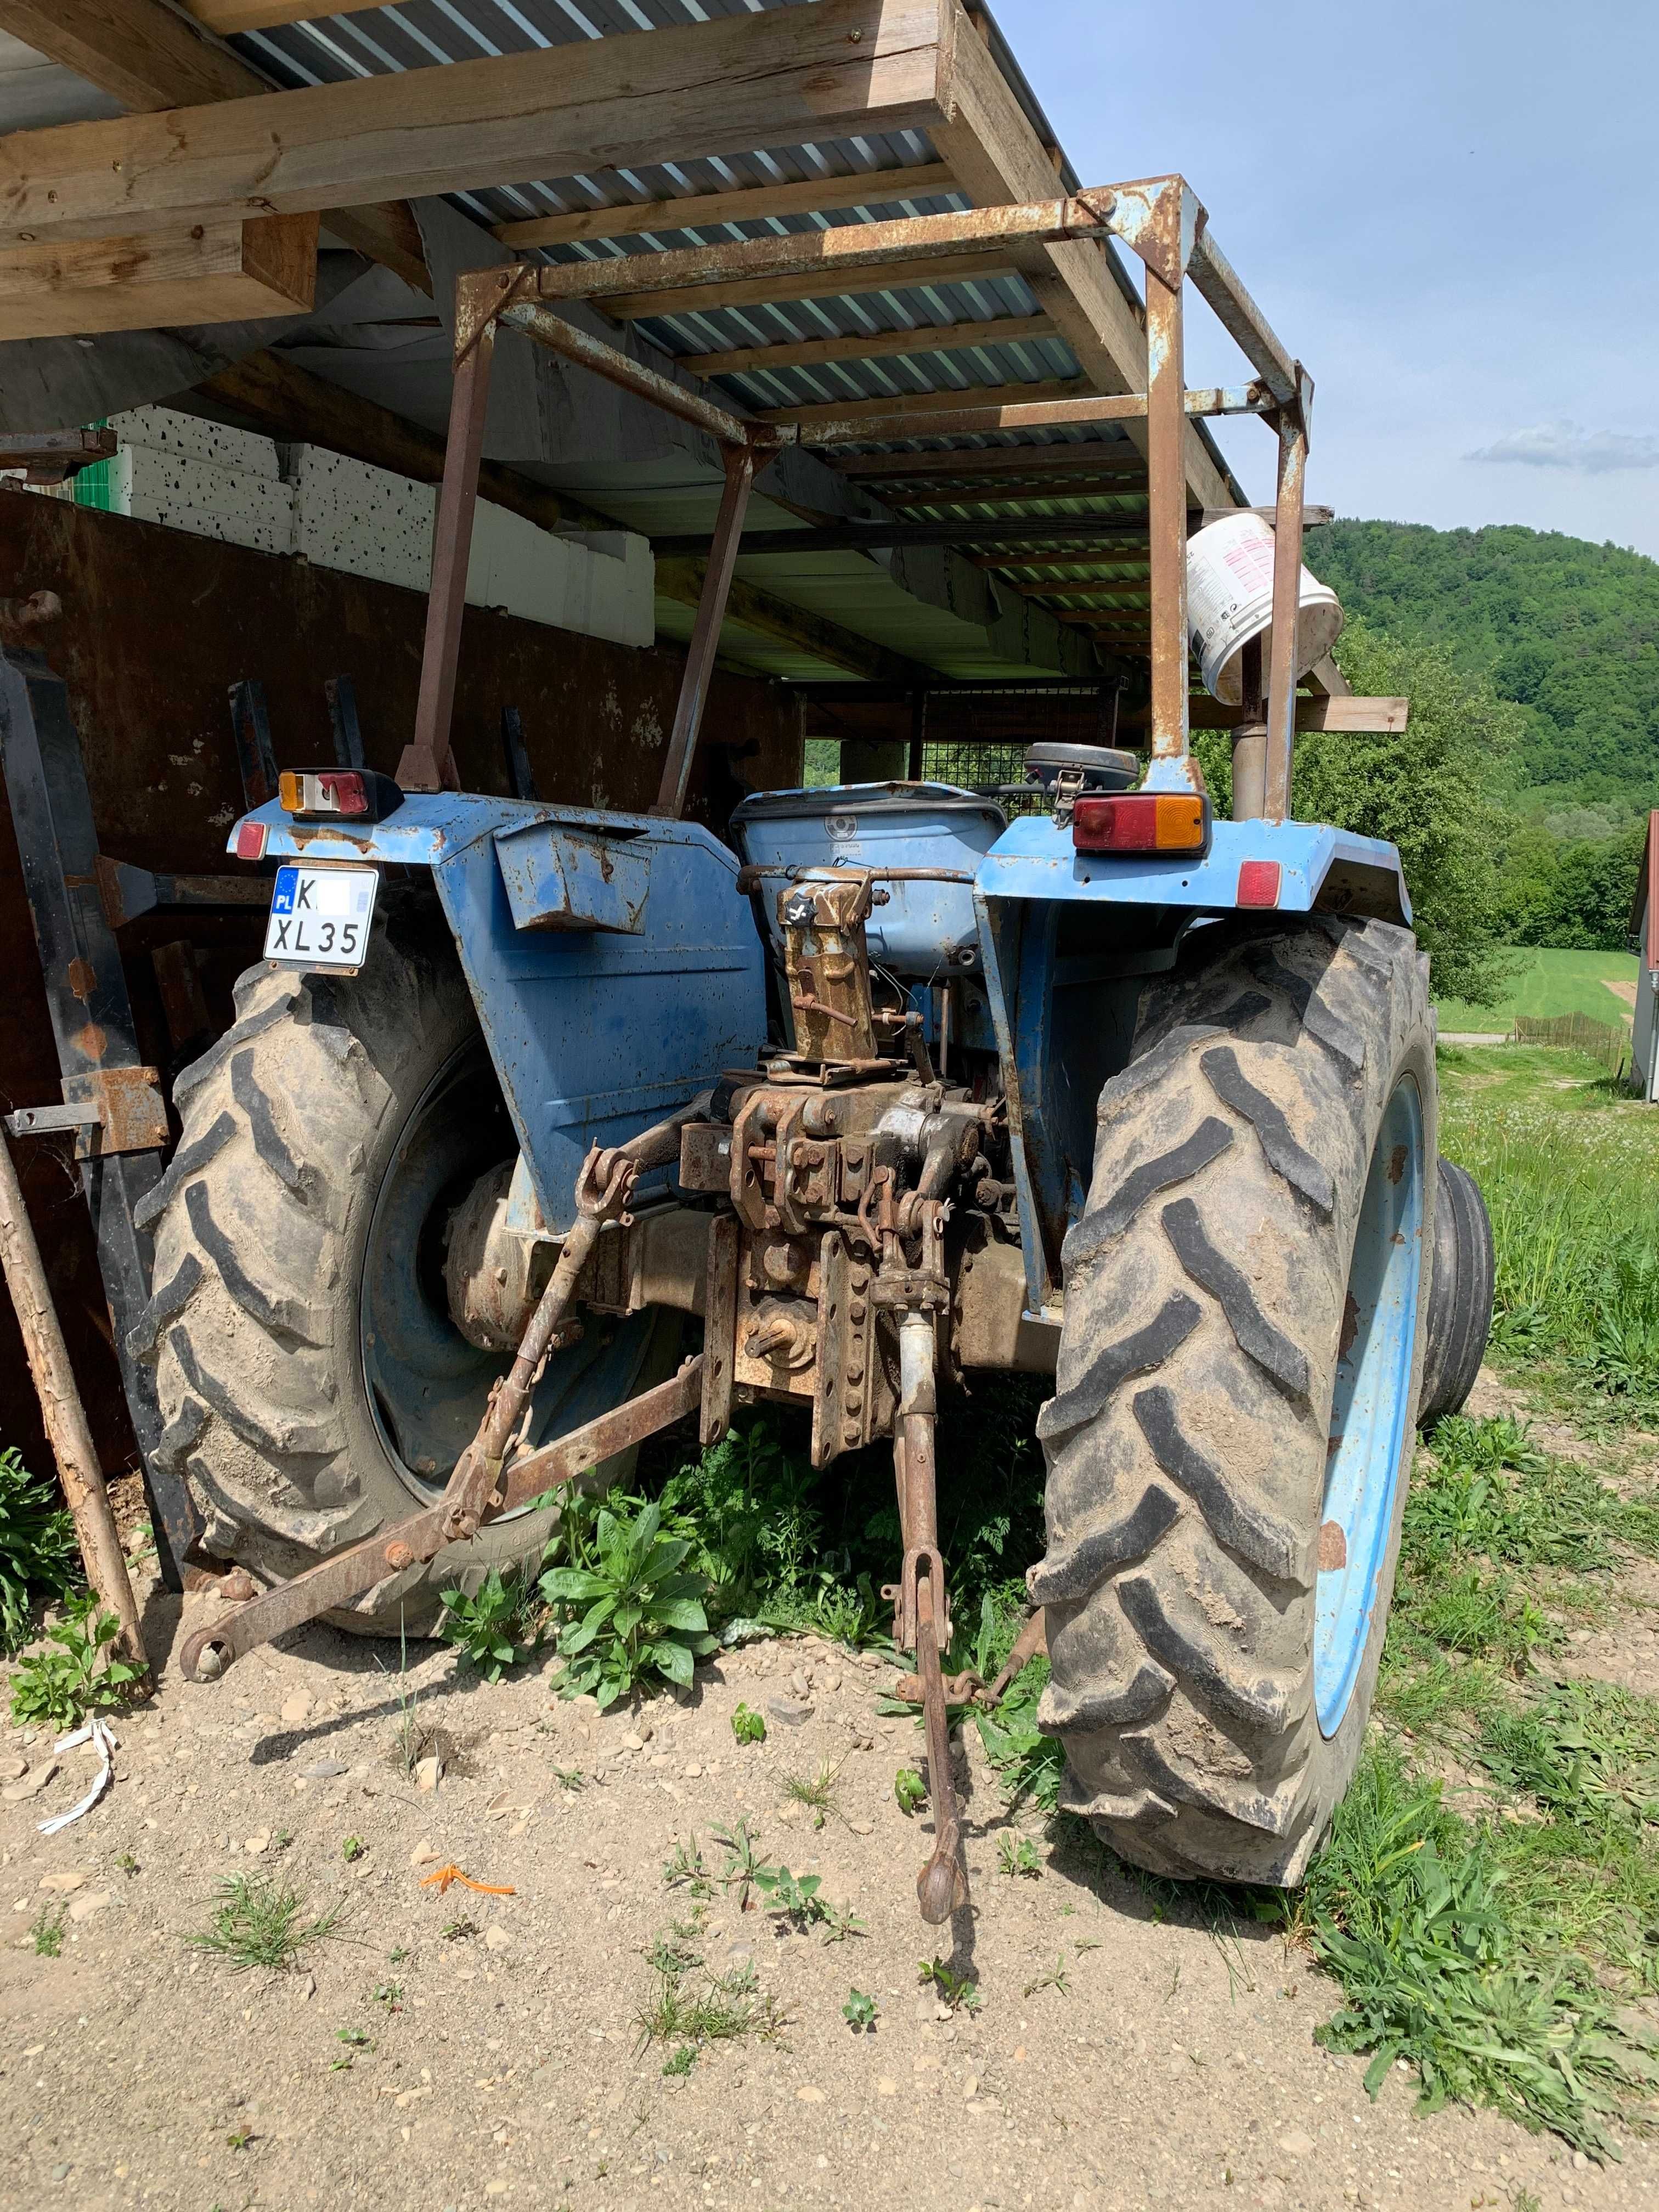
(1568, 630)
(1532, 660)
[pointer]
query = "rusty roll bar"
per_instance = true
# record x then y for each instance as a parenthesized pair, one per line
(1159, 218)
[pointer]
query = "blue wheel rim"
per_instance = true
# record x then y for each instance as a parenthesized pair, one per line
(1370, 1412)
(426, 1387)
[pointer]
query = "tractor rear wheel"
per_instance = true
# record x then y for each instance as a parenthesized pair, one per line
(1239, 1367)
(313, 1384)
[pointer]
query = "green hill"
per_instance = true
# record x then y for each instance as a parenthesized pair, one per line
(1568, 630)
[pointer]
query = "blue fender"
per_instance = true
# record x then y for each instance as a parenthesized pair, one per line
(1068, 940)
(614, 966)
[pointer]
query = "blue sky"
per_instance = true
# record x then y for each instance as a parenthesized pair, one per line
(1461, 247)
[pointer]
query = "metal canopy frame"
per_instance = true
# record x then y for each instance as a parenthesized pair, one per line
(1159, 218)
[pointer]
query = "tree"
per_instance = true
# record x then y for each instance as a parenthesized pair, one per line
(1431, 791)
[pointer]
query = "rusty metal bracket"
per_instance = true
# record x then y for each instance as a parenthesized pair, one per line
(129, 1108)
(206, 1653)
(1159, 218)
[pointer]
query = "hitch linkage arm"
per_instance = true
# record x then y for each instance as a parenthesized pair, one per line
(477, 1491)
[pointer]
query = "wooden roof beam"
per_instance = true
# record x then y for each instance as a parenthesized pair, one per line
(757, 204)
(150, 58)
(997, 156)
(835, 69)
(918, 406)
(870, 345)
(1098, 456)
(978, 267)
(218, 272)
(752, 609)
(280, 399)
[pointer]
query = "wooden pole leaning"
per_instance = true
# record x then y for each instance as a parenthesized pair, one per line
(62, 1413)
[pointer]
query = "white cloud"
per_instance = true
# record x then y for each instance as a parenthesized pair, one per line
(1570, 445)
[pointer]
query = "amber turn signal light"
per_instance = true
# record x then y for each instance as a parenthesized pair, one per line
(350, 795)
(1142, 822)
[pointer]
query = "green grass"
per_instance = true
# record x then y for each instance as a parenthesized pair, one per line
(1570, 1171)
(257, 1921)
(1551, 982)
(1496, 1944)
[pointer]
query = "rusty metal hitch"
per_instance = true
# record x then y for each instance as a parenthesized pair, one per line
(921, 1615)
(477, 1490)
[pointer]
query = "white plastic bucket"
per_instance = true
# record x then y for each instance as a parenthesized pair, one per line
(1229, 600)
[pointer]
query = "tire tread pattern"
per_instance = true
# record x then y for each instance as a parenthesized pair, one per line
(1185, 1443)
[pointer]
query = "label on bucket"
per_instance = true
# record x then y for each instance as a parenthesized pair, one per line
(1230, 596)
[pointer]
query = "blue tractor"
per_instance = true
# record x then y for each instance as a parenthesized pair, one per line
(885, 1093)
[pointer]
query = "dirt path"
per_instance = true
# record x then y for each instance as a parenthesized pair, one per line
(1169, 2066)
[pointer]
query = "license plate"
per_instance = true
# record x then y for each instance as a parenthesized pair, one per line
(320, 917)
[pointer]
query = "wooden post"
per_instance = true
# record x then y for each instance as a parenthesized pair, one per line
(61, 1409)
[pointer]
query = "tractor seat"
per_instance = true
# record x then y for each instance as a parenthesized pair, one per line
(1081, 768)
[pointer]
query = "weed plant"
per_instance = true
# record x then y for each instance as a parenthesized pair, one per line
(47, 1931)
(497, 1626)
(39, 1557)
(631, 1612)
(692, 2013)
(257, 1921)
(74, 1673)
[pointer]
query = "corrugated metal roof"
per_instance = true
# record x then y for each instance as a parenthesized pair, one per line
(859, 590)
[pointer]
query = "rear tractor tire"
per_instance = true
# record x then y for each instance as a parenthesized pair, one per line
(313, 1385)
(1246, 1307)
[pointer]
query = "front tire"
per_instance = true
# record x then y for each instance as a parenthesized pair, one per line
(1239, 1366)
(313, 1386)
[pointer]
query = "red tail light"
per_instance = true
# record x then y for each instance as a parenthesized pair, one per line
(1142, 822)
(251, 841)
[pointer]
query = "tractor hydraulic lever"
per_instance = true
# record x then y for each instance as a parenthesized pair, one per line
(476, 1492)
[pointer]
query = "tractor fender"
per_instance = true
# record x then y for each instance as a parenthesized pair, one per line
(614, 965)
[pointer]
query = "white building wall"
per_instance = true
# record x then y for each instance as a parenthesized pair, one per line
(190, 475)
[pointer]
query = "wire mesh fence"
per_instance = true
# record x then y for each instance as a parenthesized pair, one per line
(978, 740)
(1602, 1040)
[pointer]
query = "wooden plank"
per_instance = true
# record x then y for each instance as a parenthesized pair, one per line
(1096, 455)
(148, 58)
(220, 272)
(132, 48)
(1125, 595)
(697, 210)
(386, 232)
(810, 284)
(1121, 557)
(997, 155)
(1014, 498)
(274, 396)
(1348, 713)
(918, 407)
(753, 609)
(229, 17)
(870, 345)
(835, 70)
(839, 256)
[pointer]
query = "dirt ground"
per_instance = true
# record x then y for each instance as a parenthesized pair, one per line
(465, 2051)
